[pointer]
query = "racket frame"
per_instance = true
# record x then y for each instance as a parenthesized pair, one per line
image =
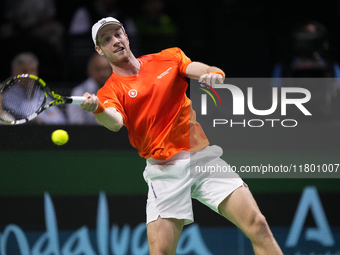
(58, 99)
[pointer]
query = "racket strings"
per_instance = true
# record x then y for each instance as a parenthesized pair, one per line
(20, 99)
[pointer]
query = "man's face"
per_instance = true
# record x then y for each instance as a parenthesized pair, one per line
(113, 44)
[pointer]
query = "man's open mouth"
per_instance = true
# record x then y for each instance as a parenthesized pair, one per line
(119, 49)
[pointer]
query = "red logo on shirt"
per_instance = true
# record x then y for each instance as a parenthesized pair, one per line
(132, 93)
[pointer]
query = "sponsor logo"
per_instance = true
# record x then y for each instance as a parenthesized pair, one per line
(132, 93)
(164, 73)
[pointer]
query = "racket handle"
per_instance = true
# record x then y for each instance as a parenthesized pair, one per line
(75, 100)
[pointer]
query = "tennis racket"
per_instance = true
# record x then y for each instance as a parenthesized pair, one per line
(24, 97)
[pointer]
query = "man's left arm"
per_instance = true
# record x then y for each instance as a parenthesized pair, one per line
(205, 73)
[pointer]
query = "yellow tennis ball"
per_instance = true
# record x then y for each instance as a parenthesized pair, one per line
(60, 137)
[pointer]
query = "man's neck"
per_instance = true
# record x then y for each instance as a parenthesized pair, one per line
(127, 68)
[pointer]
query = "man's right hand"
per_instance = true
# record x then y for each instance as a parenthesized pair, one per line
(91, 102)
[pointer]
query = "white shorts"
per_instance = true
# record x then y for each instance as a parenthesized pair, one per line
(171, 186)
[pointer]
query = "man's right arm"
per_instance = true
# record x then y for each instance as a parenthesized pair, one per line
(110, 118)
(107, 117)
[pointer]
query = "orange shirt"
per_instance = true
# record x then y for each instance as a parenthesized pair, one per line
(155, 108)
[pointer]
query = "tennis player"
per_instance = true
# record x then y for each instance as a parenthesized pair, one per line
(147, 95)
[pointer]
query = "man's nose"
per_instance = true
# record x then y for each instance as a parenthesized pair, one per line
(115, 40)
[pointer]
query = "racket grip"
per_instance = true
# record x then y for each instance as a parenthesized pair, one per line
(77, 100)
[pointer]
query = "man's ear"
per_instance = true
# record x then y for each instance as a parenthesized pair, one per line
(99, 50)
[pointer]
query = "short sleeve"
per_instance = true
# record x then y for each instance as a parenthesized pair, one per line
(109, 98)
(183, 60)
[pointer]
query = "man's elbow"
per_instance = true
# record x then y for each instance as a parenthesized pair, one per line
(115, 128)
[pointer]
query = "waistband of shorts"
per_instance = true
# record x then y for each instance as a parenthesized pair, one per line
(180, 155)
